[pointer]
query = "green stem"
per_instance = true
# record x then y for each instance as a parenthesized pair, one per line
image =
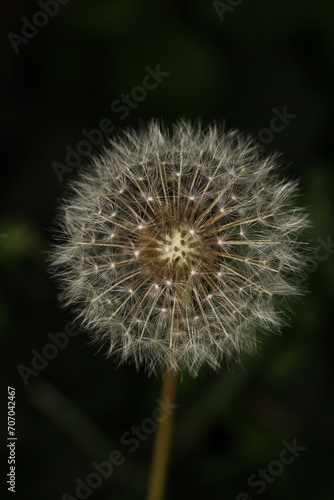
(161, 449)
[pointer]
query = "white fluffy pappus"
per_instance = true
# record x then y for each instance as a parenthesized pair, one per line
(176, 246)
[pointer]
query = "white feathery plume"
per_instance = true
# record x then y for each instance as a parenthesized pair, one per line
(175, 247)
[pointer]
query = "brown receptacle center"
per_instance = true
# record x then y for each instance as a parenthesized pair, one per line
(169, 247)
(176, 247)
(168, 252)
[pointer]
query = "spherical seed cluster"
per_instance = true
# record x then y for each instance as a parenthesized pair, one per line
(177, 246)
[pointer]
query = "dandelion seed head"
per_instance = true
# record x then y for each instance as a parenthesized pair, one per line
(177, 246)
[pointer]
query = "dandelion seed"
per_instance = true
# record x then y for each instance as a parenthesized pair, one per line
(201, 248)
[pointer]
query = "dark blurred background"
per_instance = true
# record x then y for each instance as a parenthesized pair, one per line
(242, 62)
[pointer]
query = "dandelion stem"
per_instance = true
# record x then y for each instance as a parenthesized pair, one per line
(157, 478)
